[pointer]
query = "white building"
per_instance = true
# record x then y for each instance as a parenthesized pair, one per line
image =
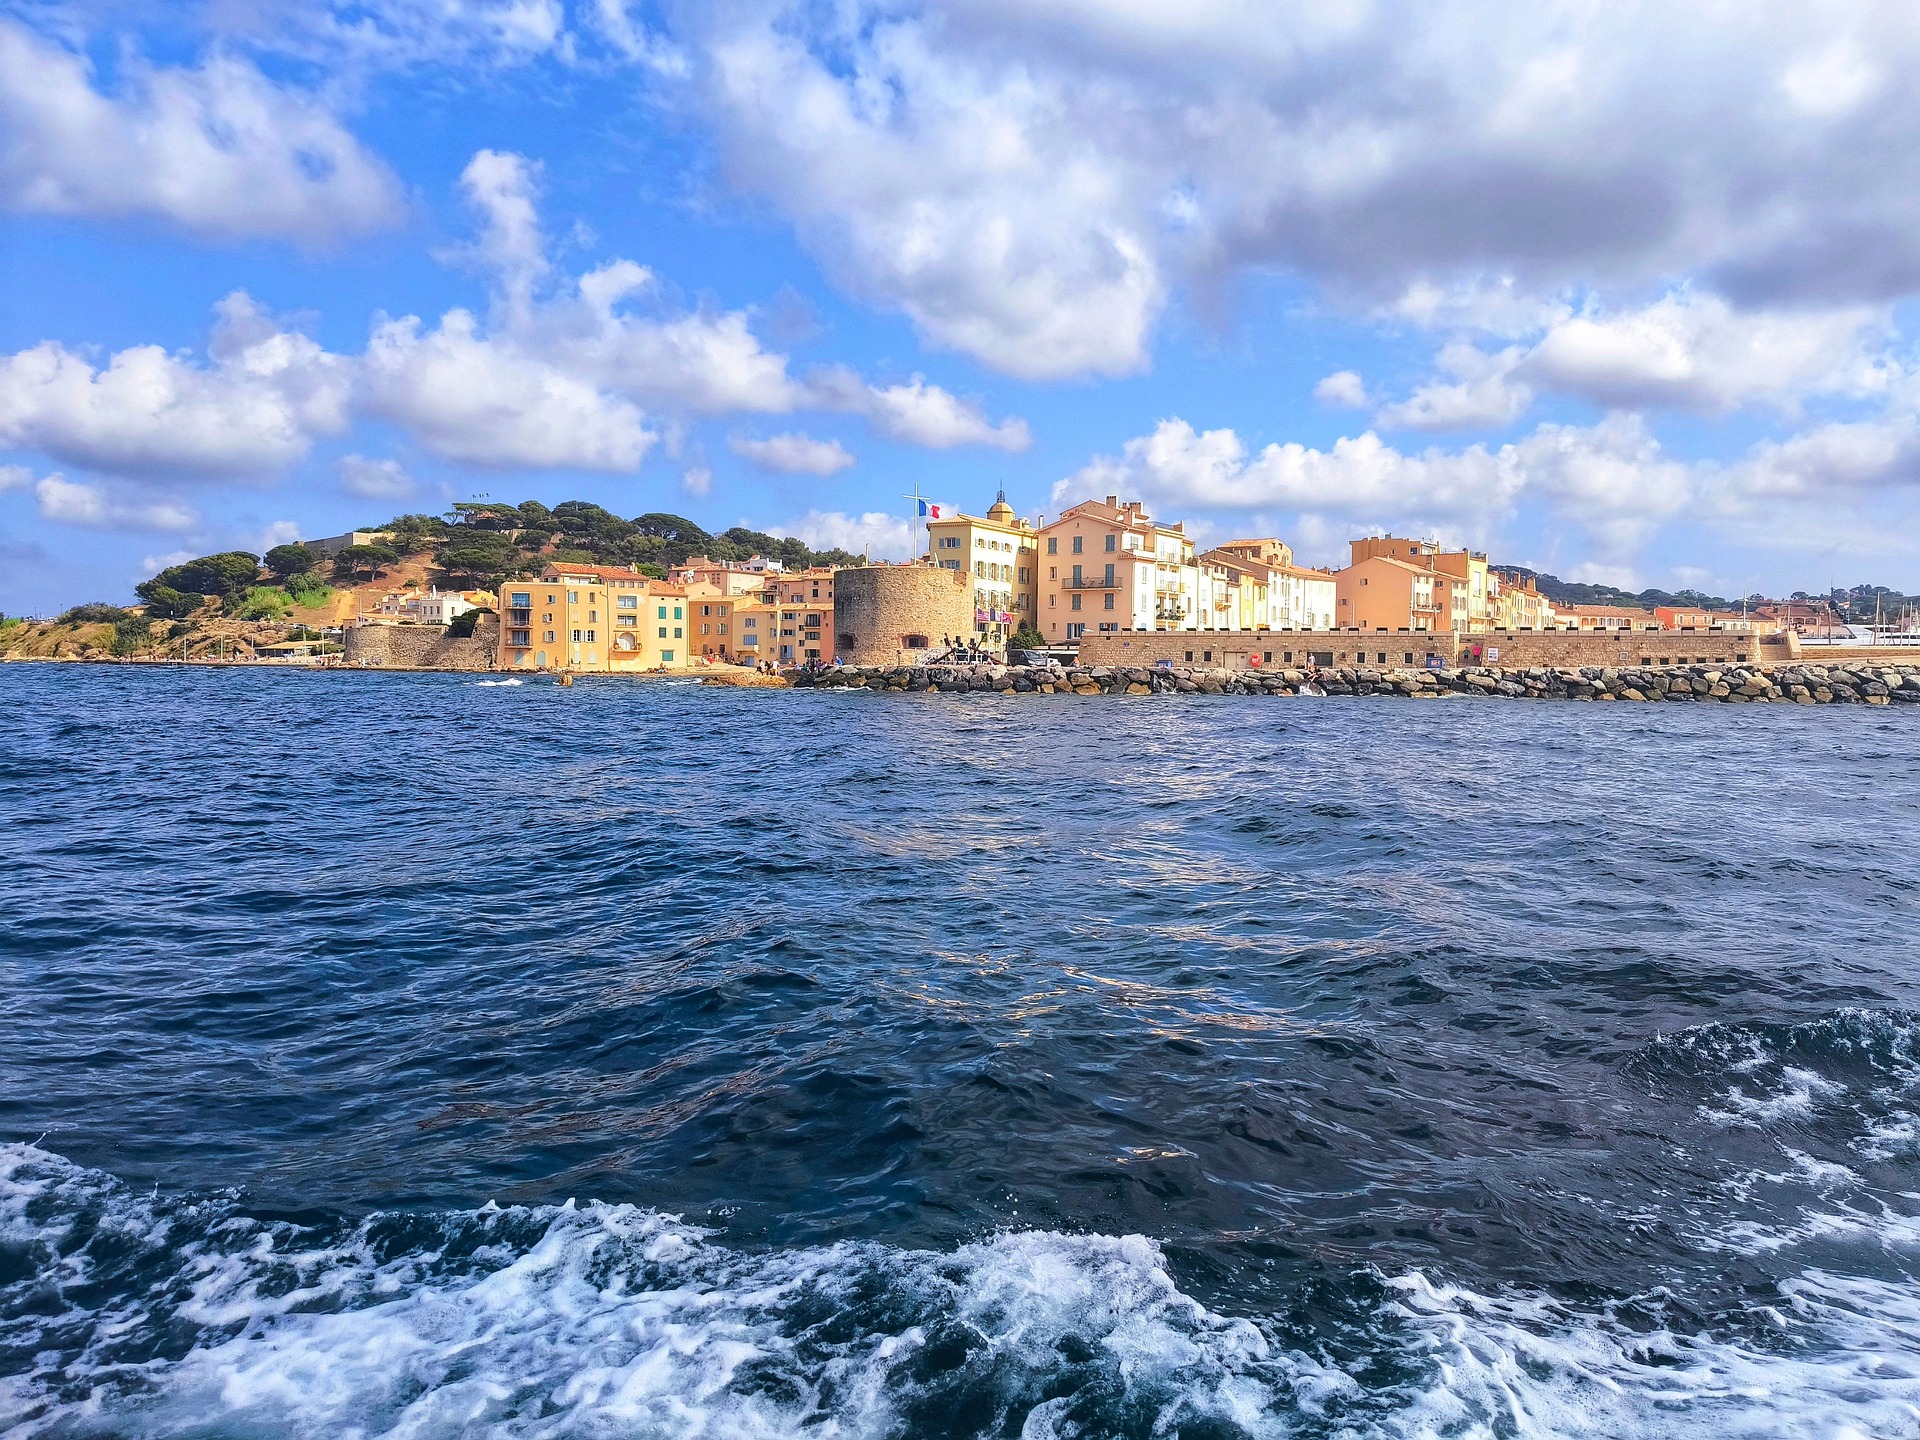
(436, 607)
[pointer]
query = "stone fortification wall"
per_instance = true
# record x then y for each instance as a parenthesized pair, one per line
(1801, 683)
(422, 647)
(1507, 648)
(895, 614)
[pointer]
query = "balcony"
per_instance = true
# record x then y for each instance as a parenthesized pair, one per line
(1093, 582)
(519, 617)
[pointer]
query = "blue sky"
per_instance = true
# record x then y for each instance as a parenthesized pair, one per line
(1624, 296)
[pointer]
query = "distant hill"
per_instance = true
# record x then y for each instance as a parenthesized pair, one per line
(1569, 592)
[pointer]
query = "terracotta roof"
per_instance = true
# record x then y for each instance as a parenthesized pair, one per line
(600, 572)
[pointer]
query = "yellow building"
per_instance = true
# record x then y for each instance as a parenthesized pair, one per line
(592, 617)
(1514, 602)
(999, 550)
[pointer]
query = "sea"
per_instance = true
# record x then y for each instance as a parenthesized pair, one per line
(434, 1055)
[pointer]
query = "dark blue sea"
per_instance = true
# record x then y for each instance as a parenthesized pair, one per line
(412, 1055)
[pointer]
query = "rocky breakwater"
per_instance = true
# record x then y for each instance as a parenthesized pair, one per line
(1831, 683)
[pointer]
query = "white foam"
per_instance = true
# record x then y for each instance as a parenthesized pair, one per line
(612, 1320)
(500, 682)
(1799, 1091)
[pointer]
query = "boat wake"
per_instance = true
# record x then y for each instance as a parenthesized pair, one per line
(123, 1313)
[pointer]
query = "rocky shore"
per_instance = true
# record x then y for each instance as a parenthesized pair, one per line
(1803, 683)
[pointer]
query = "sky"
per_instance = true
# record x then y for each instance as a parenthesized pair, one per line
(1622, 292)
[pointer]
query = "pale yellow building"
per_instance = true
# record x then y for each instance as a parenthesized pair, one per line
(1514, 602)
(1106, 566)
(998, 550)
(592, 618)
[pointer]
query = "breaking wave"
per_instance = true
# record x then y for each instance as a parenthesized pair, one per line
(130, 1314)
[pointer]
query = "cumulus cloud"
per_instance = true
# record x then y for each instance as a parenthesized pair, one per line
(1611, 479)
(916, 413)
(14, 477)
(1696, 352)
(793, 454)
(72, 502)
(218, 150)
(884, 536)
(1343, 389)
(255, 409)
(483, 400)
(375, 479)
(1031, 200)
(1482, 393)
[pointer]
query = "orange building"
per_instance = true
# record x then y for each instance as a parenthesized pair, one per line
(1381, 592)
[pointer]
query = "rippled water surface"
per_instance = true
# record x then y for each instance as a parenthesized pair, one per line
(411, 1055)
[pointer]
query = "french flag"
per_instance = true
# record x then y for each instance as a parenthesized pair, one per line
(932, 511)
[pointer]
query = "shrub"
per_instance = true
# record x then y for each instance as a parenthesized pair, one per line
(308, 588)
(93, 613)
(262, 602)
(131, 634)
(225, 574)
(463, 625)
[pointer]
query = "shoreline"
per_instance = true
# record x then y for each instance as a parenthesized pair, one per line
(1827, 682)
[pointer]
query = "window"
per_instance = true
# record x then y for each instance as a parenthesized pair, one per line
(1023, 574)
(666, 657)
(1076, 544)
(549, 637)
(520, 639)
(676, 612)
(1109, 604)
(1076, 600)
(907, 642)
(663, 632)
(590, 637)
(1074, 632)
(1050, 600)
(1053, 572)
(1268, 657)
(1110, 540)
(676, 633)
(663, 612)
(626, 602)
(593, 614)
(1206, 655)
(626, 622)
(576, 637)
(979, 569)
(1053, 544)
(1076, 577)
(521, 599)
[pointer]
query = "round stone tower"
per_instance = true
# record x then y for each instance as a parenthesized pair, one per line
(896, 614)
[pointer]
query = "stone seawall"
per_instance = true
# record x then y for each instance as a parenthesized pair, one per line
(1499, 649)
(1800, 683)
(422, 647)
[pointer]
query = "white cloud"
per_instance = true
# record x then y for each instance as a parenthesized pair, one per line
(1343, 389)
(696, 480)
(280, 532)
(883, 536)
(793, 454)
(1027, 179)
(1482, 393)
(1696, 352)
(254, 410)
(71, 502)
(915, 413)
(375, 479)
(218, 150)
(14, 477)
(484, 401)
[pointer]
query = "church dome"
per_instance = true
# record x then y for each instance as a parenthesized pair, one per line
(1000, 510)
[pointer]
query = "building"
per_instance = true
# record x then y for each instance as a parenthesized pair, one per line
(1514, 602)
(593, 618)
(998, 551)
(333, 544)
(439, 607)
(1384, 593)
(726, 577)
(712, 622)
(899, 614)
(1105, 566)
(1464, 604)
(1683, 617)
(1606, 617)
(1276, 594)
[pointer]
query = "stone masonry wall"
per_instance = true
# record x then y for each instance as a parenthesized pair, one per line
(877, 608)
(1508, 648)
(422, 647)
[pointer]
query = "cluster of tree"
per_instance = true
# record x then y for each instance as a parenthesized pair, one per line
(476, 543)
(483, 543)
(1864, 604)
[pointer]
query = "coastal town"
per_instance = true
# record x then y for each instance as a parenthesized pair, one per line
(1102, 586)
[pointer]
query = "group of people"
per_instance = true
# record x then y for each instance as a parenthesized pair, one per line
(964, 652)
